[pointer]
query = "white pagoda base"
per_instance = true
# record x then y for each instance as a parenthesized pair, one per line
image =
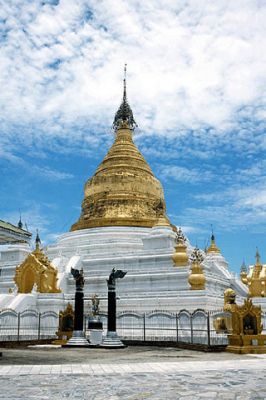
(152, 281)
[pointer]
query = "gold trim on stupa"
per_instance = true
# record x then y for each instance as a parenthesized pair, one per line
(123, 191)
(37, 272)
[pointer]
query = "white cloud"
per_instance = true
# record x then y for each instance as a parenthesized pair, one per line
(32, 217)
(192, 65)
(196, 79)
(51, 174)
(182, 174)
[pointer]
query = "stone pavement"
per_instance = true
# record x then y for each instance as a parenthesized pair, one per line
(207, 376)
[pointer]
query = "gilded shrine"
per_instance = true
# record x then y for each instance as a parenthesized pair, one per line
(36, 272)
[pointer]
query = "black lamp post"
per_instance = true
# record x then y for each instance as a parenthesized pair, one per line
(112, 340)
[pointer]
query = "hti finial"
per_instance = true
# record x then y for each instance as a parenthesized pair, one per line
(37, 240)
(257, 257)
(125, 83)
(124, 116)
(212, 236)
(20, 225)
(243, 267)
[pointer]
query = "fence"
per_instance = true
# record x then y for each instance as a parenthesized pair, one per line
(162, 326)
(156, 326)
(27, 325)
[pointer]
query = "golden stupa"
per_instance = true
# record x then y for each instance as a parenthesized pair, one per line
(213, 248)
(123, 191)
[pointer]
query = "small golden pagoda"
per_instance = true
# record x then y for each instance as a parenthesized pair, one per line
(180, 256)
(123, 191)
(36, 271)
(196, 278)
(257, 279)
(213, 248)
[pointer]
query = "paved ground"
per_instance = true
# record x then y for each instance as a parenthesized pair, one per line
(135, 373)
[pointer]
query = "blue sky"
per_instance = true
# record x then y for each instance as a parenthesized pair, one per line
(196, 84)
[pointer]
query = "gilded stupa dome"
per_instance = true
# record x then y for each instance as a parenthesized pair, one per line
(123, 191)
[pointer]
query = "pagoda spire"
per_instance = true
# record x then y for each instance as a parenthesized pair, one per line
(257, 256)
(20, 224)
(37, 241)
(243, 267)
(213, 248)
(125, 84)
(124, 115)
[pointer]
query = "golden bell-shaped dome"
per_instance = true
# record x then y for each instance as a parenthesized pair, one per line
(123, 191)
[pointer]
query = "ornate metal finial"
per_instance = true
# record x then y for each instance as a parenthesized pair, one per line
(20, 224)
(257, 257)
(180, 238)
(124, 115)
(212, 236)
(196, 256)
(243, 268)
(213, 247)
(125, 83)
(37, 241)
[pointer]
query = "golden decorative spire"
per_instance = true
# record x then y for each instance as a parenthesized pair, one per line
(20, 224)
(196, 278)
(37, 241)
(123, 191)
(180, 256)
(213, 248)
(257, 256)
(243, 273)
(256, 282)
(124, 115)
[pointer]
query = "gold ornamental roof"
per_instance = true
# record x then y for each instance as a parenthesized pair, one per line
(123, 191)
